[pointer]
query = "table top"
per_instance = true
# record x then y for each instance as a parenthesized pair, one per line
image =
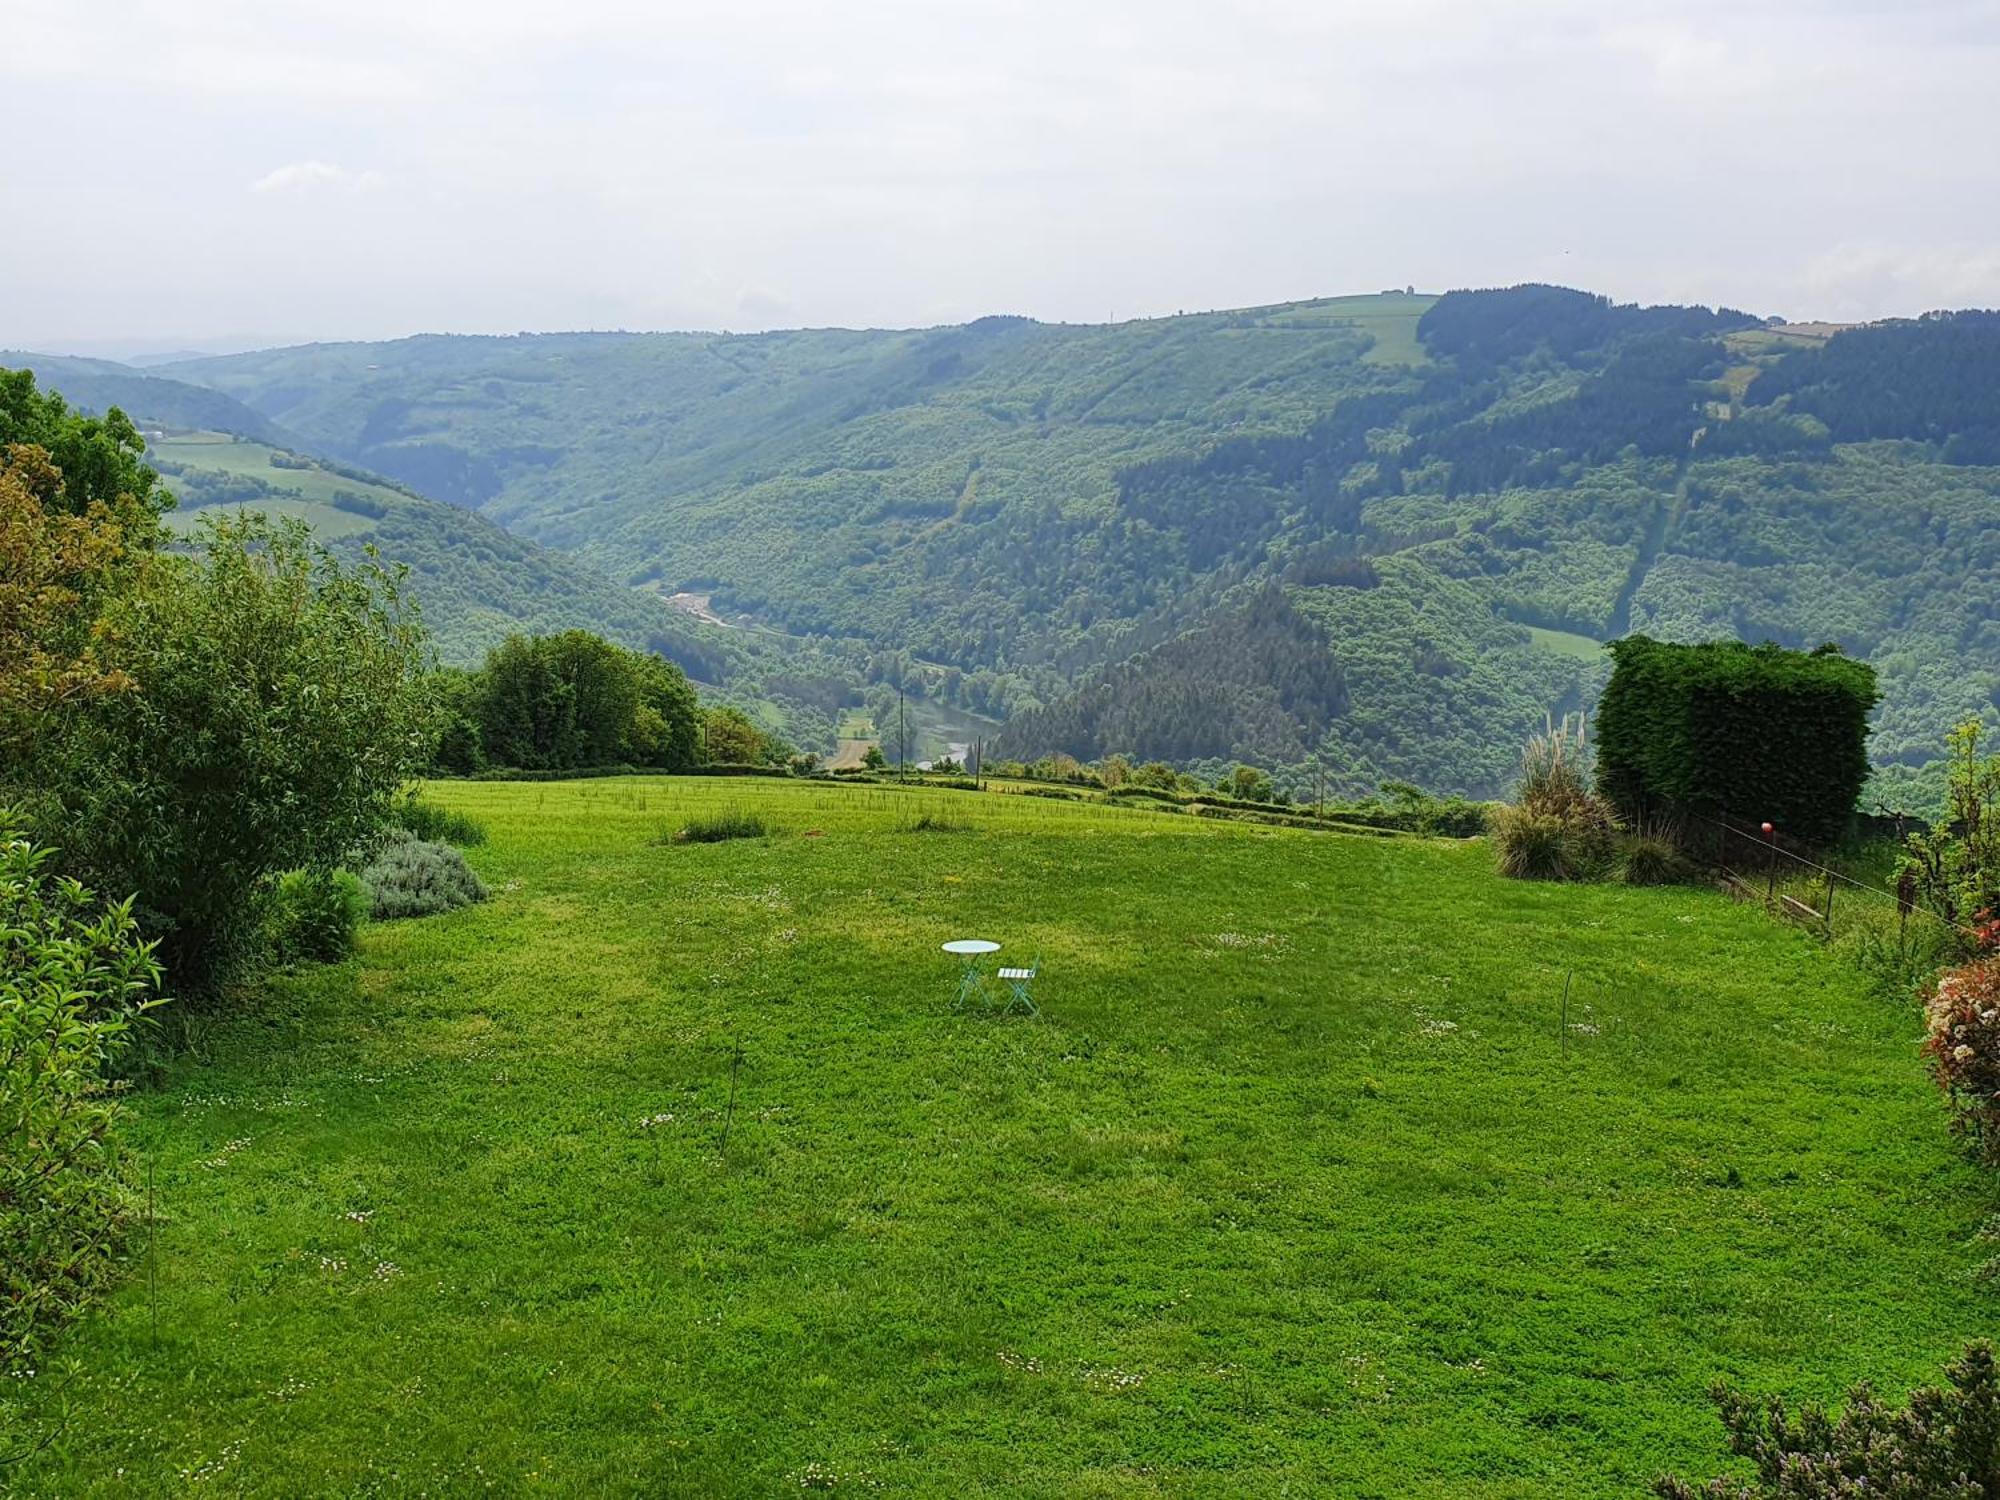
(967, 947)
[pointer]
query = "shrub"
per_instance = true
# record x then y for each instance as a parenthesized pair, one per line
(731, 823)
(1436, 817)
(1652, 860)
(410, 877)
(1955, 868)
(1962, 1045)
(1724, 727)
(73, 976)
(437, 825)
(1943, 1445)
(1557, 827)
(315, 916)
(933, 823)
(278, 708)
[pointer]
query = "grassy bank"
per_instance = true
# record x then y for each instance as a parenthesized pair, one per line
(1301, 1181)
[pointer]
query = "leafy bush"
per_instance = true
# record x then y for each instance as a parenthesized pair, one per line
(278, 708)
(1723, 727)
(1954, 868)
(1436, 817)
(73, 976)
(437, 825)
(1652, 860)
(315, 916)
(731, 823)
(410, 877)
(1962, 1045)
(1538, 846)
(1944, 1445)
(1557, 827)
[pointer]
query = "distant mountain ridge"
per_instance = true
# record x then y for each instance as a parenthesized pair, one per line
(1004, 512)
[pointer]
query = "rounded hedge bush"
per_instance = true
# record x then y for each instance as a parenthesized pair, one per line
(410, 877)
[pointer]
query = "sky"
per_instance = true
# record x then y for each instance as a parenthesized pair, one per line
(221, 174)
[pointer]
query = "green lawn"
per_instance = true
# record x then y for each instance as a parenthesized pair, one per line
(1567, 643)
(1298, 1187)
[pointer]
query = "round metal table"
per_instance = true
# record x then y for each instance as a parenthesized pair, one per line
(970, 951)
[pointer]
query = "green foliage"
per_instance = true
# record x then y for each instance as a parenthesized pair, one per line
(721, 826)
(563, 702)
(410, 877)
(1557, 827)
(1249, 784)
(731, 737)
(1930, 378)
(315, 916)
(1648, 859)
(278, 711)
(1435, 817)
(457, 709)
(1944, 1444)
(73, 977)
(1757, 732)
(99, 456)
(1954, 867)
(435, 823)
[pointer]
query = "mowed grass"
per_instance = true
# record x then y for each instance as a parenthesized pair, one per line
(1299, 1186)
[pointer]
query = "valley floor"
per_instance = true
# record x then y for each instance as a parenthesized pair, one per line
(1300, 1184)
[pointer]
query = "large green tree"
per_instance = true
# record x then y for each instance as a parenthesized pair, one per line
(277, 706)
(100, 458)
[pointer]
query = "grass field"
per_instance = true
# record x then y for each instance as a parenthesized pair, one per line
(1567, 643)
(1301, 1185)
(310, 491)
(1390, 316)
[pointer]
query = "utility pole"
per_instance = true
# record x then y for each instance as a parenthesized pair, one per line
(901, 742)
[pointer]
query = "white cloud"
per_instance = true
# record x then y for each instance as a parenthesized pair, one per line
(1853, 281)
(315, 176)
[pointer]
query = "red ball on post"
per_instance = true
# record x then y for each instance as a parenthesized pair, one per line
(1769, 830)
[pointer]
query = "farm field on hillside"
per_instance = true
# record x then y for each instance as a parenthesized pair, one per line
(1299, 1183)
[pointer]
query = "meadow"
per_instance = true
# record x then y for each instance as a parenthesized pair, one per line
(672, 1170)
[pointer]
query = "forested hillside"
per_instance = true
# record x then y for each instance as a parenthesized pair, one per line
(476, 583)
(1022, 515)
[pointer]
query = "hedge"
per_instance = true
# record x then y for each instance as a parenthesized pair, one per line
(1759, 732)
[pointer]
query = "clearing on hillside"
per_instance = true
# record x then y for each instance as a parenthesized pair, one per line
(1301, 1183)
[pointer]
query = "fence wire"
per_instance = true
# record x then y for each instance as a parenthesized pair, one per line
(1794, 885)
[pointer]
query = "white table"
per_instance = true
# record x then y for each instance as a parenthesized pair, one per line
(970, 950)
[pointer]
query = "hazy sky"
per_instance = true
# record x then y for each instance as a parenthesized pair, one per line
(223, 172)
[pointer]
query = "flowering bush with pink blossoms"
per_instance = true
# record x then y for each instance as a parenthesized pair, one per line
(1962, 1043)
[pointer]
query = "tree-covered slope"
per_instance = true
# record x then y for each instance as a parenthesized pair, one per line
(96, 385)
(1016, 513)
(477, 584)
(952, 491)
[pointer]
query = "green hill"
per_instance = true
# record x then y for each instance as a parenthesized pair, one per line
(476, 583)
(1009, 511)
(96, 385)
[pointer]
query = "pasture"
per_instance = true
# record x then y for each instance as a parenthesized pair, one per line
(672, 1171)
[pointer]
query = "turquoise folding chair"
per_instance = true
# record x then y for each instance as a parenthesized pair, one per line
(1018, 981)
